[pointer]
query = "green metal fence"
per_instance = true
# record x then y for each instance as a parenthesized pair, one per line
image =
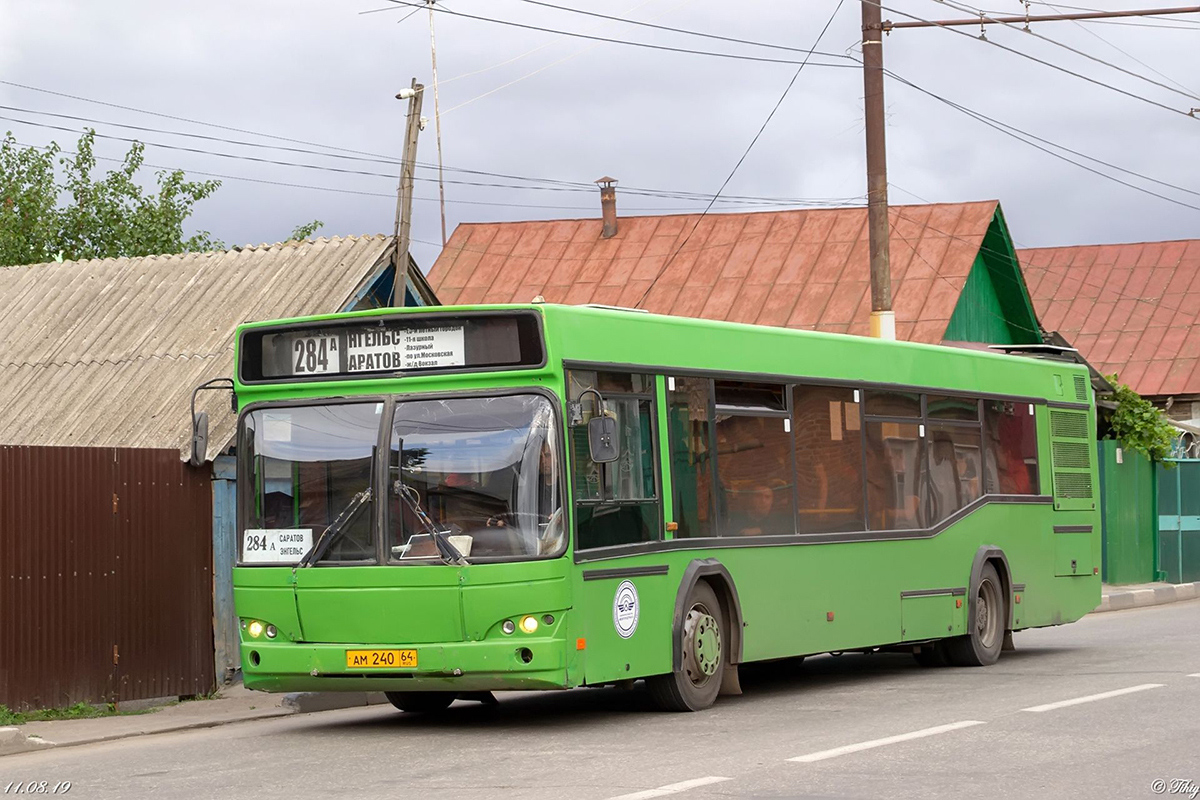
(1128, 512)
(1179, 520)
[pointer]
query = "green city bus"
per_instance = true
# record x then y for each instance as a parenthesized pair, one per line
(439, 503)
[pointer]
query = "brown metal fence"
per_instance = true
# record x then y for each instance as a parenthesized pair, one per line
(105, 576)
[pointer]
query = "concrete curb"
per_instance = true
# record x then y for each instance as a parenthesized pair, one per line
(13, 741)
(304, 702)
(1119, 599)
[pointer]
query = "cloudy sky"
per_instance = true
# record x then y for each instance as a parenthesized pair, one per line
(543, 105)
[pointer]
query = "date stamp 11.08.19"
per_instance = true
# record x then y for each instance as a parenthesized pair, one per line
(36, 787)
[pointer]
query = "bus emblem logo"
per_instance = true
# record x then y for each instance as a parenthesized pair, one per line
(625, 609)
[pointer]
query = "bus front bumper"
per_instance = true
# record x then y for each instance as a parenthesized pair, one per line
(490, 665)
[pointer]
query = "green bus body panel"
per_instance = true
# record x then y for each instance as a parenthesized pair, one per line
(452, 615)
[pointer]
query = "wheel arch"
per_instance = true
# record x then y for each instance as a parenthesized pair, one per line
(717, 576)
(990, 554)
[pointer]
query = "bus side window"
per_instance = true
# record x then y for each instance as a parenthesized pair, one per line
(827, 424)
(691, 438)
(1010, 448)
(894, 455)
(615, 503)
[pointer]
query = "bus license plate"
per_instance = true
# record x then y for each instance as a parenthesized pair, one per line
(381, 659)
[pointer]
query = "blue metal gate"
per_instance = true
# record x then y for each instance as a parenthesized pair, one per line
(1179, 520)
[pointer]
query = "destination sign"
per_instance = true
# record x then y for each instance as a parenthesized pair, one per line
(362, 348)
(377, 349)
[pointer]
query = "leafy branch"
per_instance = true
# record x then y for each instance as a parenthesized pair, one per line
(1138, 425)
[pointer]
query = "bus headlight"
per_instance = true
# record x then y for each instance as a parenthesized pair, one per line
(529, 624)
(255, 629)
(507, 626)
(271, 632)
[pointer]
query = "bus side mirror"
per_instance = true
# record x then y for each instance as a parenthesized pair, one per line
(602, 440)
(199, 438)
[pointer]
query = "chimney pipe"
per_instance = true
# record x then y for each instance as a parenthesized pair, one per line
(608, 206)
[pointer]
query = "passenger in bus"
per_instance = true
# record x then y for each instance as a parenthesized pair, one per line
(754, 516)
(945, 484)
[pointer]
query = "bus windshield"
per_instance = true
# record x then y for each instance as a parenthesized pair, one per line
(308, 464)
(481, 473)
(485, 470)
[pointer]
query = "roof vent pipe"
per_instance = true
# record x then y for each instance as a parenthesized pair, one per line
(608, 206)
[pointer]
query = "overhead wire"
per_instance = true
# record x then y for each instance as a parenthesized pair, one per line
(629, 43)
(556, 186)
(388, 195)
(745, 153)
(1013, 132)
(1013, 26)
(1033, 58)
(1079, 24)
(537, 71)
(362, 156)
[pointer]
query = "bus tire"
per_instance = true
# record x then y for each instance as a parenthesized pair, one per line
(986, 626)
(421, 702)
(705, 640)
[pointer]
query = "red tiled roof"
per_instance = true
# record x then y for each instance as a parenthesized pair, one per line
(1132, 309)
(768, 268)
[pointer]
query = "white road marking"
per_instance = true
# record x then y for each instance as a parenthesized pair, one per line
(673, 788)
(1089, 698)
(1194, 675)
(904, 737)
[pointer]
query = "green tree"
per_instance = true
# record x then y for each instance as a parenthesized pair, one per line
(1138, 425)
(305, 231)
(82, 216)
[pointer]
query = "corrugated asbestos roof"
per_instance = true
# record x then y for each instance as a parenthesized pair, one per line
(767, 267)
(106, 353)
(1132, 309)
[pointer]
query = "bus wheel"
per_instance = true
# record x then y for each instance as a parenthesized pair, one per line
(421, 702)
(695, 684)
(981, 646)
(932, 654)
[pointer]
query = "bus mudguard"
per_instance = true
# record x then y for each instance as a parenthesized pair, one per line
(722, 583)
(983, 555)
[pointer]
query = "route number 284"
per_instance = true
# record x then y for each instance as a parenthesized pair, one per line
(315, 355)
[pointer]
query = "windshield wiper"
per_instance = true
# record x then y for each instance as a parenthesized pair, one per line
(325, 540)
(446, 551)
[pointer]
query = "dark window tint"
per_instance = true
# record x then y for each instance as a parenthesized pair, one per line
(691, 456)
(827, 427)
(739, 396)
(894, 456)
(754, 471)
(606, 524)
(952, 408)
(954, 470)
(893, 404)
(1010, 448)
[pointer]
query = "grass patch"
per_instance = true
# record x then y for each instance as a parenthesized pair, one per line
(77, 711)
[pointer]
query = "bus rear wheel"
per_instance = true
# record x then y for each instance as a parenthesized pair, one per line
(986, 627)
(704, 646)
(421, 702)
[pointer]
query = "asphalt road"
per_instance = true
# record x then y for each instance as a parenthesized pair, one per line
(830, 727)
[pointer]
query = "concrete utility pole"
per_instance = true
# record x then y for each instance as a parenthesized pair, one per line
(883, 319)
(404, 194)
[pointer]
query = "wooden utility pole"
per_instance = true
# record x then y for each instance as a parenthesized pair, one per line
(883, 319)
(437, 120)
(404, 194)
